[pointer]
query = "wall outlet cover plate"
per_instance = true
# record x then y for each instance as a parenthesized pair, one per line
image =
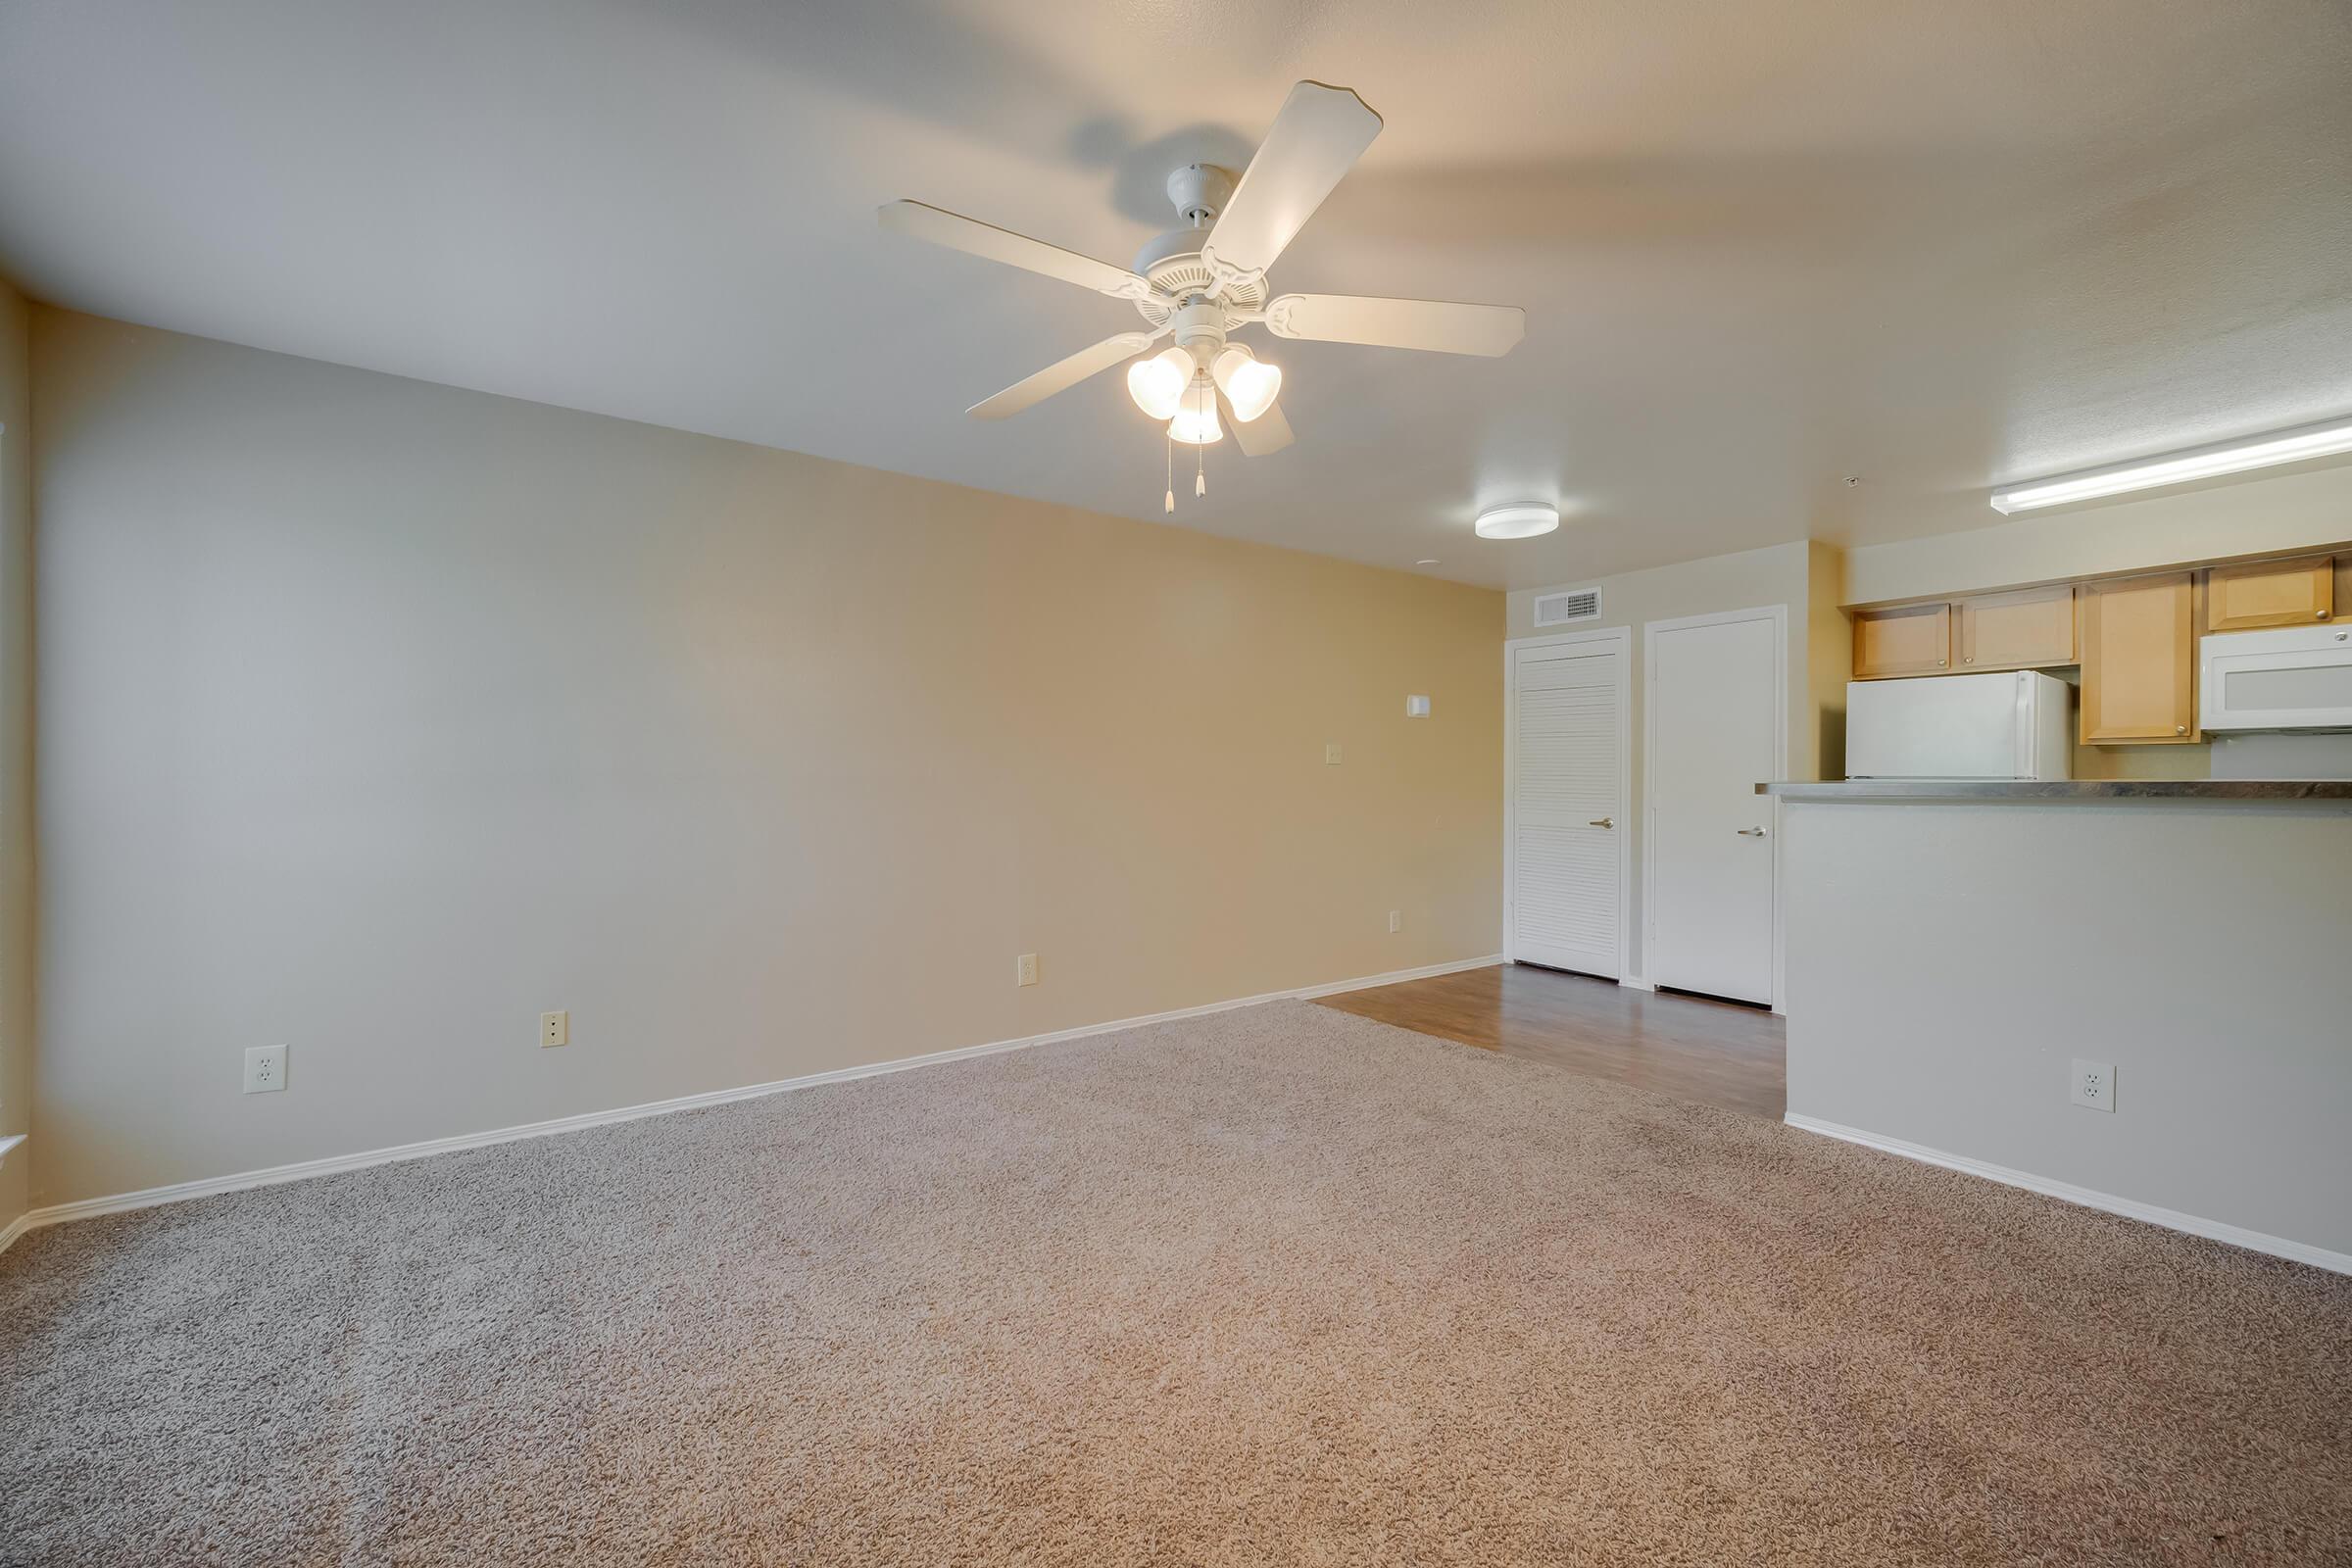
(264, 1069)
(2092, 1085)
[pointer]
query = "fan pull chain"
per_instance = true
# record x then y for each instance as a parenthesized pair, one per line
(1169, 503)
(1201, 452)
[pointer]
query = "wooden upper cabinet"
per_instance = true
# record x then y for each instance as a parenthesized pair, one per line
(2139, 660)
(2271, 593)
(2032, 629)
(1912, 639)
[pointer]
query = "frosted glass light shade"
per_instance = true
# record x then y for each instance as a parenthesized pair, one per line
(1250, 384)
(1516, 523)
(1196, 421)
(1157, 383)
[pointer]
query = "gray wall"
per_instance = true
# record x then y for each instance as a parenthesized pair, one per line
(1946, 963)
(378, 717)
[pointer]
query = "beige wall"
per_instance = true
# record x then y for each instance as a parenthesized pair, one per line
(1779, 574)
(15, 745)
(379, 717)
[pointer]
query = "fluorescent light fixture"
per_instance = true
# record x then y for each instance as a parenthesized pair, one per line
(2228, 456)
(1157, 383)
(1251, 384)
(1522, 521)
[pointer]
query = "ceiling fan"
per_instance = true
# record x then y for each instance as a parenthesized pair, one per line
(1205, 281)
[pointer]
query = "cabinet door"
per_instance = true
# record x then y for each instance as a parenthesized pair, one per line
(1913, 640)
(2271, 593)
(2032, 629)
(2139, 660)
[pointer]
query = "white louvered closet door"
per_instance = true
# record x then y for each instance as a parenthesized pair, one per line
(1568, 806)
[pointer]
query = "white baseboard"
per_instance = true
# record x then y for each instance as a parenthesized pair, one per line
(2129, 1209)
(304, 1170)
(1635, 981)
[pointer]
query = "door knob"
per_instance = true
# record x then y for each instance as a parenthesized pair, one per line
(1751, 832)
(1602, 821)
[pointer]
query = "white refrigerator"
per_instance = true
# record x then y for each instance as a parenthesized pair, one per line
(2010, 726)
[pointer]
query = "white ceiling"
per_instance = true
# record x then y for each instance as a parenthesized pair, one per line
(1760, 246)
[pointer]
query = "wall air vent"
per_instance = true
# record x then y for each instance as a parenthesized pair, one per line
(1559, 609)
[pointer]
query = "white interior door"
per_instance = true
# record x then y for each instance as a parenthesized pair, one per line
(1715, 692)
(1567, 805)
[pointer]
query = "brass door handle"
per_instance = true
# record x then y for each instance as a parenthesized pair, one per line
(1602, 821)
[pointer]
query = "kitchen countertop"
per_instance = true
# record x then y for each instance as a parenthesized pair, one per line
(2082, 789)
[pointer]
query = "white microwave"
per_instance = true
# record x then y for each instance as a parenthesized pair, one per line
(2297, 677)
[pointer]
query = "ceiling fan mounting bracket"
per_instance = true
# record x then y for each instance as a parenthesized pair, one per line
(1199, 192)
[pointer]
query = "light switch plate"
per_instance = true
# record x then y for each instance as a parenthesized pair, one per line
(1331, 754)
(1417, 708)
(1024, 969)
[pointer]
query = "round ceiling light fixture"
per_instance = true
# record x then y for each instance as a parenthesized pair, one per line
(1522, 520)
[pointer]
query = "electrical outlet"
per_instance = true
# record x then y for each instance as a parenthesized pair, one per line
(555, 1029)
(1331, 754)
(2094, 1086)
(264, 1069)
(1024, 969)
(1396, 920)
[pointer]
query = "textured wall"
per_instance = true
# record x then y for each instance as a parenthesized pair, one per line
(379, 717)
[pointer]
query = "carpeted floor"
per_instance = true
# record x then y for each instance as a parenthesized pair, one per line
(1276, 1287)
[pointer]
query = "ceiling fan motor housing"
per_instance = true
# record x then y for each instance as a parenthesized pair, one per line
(1171, 262)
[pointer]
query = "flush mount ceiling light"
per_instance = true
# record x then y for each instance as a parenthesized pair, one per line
(1524, 520)
(2204, 463)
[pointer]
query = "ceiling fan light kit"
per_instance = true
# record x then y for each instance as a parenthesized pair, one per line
(1207, 280)
(1520, 521)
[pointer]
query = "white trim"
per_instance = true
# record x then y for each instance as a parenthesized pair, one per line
(304, 1170)
(2129, 1209)
(1777, 615)
(1623, 637)
(1635, 981)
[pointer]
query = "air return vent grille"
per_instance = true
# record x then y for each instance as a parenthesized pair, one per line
(1558, 609)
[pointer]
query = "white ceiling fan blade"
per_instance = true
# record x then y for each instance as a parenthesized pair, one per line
(957, 232)
(1063, 374)
(1316, 139)
(1268, 432)
(1433, 325)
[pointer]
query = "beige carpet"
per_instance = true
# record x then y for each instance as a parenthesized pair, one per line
(1278, 1287)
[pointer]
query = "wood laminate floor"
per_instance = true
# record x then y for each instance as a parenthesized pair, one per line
(1718, 1053)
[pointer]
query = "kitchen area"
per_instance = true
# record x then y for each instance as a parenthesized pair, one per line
(2078, 915)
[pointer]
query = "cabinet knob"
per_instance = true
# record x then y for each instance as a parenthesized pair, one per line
(2323, 614)
(1970, 659)
(2179, 729)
